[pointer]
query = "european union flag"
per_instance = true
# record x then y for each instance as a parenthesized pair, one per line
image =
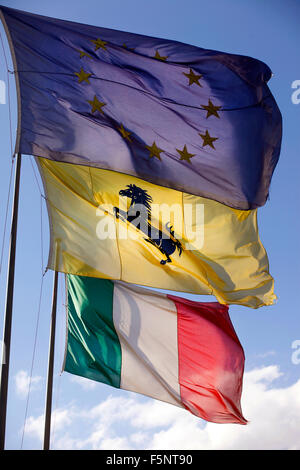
(199, 121)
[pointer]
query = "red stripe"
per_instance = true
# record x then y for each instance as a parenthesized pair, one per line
(211, 361)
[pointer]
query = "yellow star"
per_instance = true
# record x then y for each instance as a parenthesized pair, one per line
(83, 76)
(83, 54)
(125, 134)
(208, 140)
(211, 109)
(99, 44)
(96, 105)
(160, 57)
(193, 77)
(185, 155)
(154, 150)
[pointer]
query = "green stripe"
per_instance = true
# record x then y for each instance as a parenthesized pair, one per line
(93, 347)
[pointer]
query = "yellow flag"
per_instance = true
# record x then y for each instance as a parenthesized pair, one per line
(114, 226)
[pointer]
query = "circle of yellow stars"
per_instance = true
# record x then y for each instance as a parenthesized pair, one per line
(154, 151)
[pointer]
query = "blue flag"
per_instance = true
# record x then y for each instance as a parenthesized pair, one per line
(199, 121)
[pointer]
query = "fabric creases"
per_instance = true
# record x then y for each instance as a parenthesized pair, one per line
(209, 248)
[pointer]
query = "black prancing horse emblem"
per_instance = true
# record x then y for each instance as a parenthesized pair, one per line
(166, 244)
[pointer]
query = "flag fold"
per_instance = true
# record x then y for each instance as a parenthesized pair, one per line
(110, 225)
(192, 119)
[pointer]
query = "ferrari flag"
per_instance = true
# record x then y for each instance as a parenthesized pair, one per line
(199, 121)
(110, 225)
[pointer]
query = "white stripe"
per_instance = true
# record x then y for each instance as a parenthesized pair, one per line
(146, 325)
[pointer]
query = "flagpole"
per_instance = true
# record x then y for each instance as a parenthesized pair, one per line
(9, 306)
(48, 408)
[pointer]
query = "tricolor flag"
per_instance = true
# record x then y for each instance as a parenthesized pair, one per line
(110, 225)
(200, 121)
(172, 349)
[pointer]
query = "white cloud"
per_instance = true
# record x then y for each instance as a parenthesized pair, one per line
(262, 375)
(35, 426)
(86, 384)
(139, 438)
(22, 381)
(60, 419)
(273, 414)
(120, 443)
(131, 422)
(266, 354)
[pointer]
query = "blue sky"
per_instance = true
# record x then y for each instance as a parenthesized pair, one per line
(90, 415)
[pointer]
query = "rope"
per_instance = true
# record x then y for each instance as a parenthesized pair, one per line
(32, 360)
(11, 150)
(62, 344)
(6, 214)
(39, 309)
(41, 234)
(36, 179)
(8, 94)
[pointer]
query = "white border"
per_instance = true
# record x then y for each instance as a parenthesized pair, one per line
(51, 238)
(66, 324)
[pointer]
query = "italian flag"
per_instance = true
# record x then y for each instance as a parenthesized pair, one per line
(163, 346)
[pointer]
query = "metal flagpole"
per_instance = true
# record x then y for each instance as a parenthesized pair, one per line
(9, 306)
(48, 408)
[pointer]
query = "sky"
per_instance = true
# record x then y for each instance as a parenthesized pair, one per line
(89, 415)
